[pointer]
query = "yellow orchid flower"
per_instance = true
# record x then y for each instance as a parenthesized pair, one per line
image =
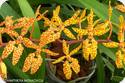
(56, 21)
(67, 70)
(66, 52)
(3, 70)
(49, 36)
(70, 63)
(33, 62)
(111, 44)
(8, 49)
(95, 28)
(99, 29)
(89, 45)
(120, 35)
(120, 59)
(89, 49)
(17, 53)
(120, 54)
(120, 7)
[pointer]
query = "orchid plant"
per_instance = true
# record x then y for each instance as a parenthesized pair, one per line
(85, 36)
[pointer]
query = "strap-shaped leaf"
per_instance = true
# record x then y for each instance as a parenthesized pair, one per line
(67, 70)
(7, 10)
(17, 53)
(68, 33)
(8, 49)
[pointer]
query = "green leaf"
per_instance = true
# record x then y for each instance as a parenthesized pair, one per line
(7, 10)
(100, 69)
(28, 12)
(107, 51)
(14, 69)
(117, 78)
(17, 72)
(109, 65)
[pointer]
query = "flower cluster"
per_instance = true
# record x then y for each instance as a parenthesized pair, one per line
(19, 42)
(120, 54)
(86, 35)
